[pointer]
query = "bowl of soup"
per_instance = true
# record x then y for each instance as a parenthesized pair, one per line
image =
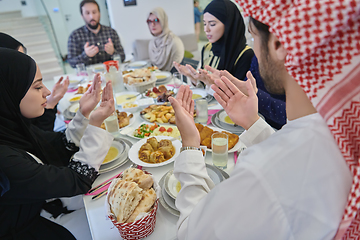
(126, 96)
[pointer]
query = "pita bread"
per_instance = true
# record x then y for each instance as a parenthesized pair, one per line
(145, 181)
(124, 197)
(148, 200)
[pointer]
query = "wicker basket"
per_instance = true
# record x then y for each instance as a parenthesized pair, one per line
(140, 228)
(142, 87)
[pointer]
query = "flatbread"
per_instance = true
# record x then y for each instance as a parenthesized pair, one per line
(124, 197)
(145, 181)
(148, 200)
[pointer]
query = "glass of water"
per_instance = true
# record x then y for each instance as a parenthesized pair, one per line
(219, 147)
(201, 111)
(177, 77)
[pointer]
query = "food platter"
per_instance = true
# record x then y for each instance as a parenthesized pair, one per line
(134, 152)
(119, 161)
(130, 132)
(168, 201)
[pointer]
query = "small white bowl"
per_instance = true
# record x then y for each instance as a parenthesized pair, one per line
(74, 81)
(125, 106)
(121, 97)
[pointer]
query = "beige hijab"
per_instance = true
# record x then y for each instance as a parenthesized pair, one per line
(161, 47)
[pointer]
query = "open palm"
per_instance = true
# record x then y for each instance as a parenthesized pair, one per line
(184, 117)
(91, 97)
(242, 109)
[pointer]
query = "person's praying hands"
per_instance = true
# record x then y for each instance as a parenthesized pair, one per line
(90, 51)
(184, 116)
(91, 97)
(109, 47)
(106, 108)
(57, 92)
(241, 108)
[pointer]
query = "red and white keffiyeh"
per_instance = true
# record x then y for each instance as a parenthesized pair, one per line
(322, 38)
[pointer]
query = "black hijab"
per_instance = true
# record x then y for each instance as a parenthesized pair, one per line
(230, 45)
(17, 72)
(6, 41)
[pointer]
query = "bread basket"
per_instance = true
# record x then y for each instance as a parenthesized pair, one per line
(142, 87)
(140, 228)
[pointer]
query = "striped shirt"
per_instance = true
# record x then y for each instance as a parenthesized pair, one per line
(80, 36)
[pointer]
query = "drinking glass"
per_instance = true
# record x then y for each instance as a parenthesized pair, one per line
(111, 123)
(177, 77)
(219, 146)
(201, 111)
(81, 69)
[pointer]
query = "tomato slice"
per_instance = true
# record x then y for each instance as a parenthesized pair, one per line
(162, 129)
(169, 129)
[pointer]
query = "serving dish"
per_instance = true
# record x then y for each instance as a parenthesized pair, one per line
(134, 152)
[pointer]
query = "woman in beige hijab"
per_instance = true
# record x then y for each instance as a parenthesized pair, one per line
(165, 47)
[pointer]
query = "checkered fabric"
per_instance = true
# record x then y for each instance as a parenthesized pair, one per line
(323, 42)
(80, 36)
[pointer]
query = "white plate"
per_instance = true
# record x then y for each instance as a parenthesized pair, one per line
(165, 75)
(121, 147)
(234, 149)
(74, 108)
(171, 182)
(137, 64)
(216, 122)
(134, 152)
(170, 201)
(97, 68)
(131, 133)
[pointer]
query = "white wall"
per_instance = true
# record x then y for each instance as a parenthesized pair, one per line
(9, 5)
(130, 21)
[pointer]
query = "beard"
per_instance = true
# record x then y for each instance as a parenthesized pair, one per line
(93, 27)
(269, 72)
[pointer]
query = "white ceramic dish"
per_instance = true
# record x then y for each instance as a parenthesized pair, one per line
(130, 132)
(169, 200)
(134, 152)
(137, 64)
(171, 182)
(75, 98)
(74, 80)
(162, 75)
(119, 97)
(118, 162)
(200, 92)
(131, 121)
(74, 108)
(121, 147)
(216, 122)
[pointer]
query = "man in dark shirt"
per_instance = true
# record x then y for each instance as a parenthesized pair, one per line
(93, 43)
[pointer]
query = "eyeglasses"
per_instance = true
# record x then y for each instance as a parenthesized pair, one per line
(156, 20)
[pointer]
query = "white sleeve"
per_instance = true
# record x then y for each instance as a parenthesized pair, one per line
(235, 209)
(94, 146)
(257, 133)
(76, 128)
(190, 170)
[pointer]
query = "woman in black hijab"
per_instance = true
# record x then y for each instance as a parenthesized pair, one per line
(7, 41)
(46, 121)
(227, 49)
(42, 165)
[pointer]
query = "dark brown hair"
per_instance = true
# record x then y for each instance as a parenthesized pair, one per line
(83, 2)
(263, 30)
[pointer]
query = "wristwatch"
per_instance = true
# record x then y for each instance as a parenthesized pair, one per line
(189, 148)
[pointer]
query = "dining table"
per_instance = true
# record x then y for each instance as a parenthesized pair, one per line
(100, 225)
